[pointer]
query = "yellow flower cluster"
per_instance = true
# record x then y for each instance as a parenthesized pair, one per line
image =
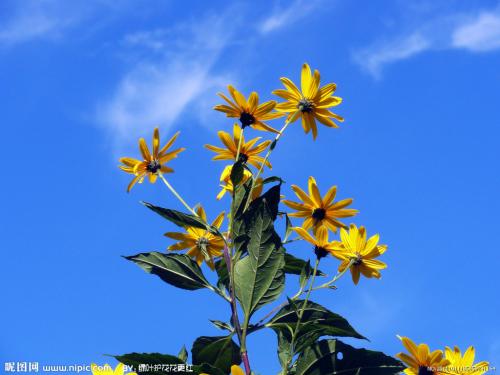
(309, 103)
(421, 361)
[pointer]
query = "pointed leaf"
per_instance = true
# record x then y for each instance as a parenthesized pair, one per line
(316, 321)
(180, 219)
(294, 265)
(183, 354)
(217, 351)
(176, 269)
(322, 358)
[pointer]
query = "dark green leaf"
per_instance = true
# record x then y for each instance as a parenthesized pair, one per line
(288, 229)
(273, 144)
(176, 269)
(221, 269)
(217, 351)
(237, 173)
(316, 321)
(305, 275)
(222, 325)
(183, 354)
(259, 277)
(179, 218)
(322, 358)
(268, 180)
(294, 265)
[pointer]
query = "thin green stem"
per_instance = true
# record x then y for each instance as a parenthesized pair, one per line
(337, 276)
(301, 314)
(268, 153)
(177, 195)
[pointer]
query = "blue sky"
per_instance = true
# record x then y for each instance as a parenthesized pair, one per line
(418, 152)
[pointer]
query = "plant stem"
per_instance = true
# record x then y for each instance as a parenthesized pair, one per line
(177, 195)
(337, 276)
(268, 153)
(301, 313)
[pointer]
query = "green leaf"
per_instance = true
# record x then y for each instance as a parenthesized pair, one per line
(288, 228)
(259, 277)
(217, 351)
(294, 265)
(237, 172)
(222, 325)
(176, 269)
(322, 358)
(316, 321)
(305, 275)
(221, 269)
(180, 219)
(272, 179)
(183, 354)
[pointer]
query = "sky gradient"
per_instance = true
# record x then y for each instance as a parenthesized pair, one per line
(418, 152)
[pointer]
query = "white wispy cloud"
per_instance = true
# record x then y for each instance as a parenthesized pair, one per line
(374, 58)
(155, 92)
(284, 16)
(474, 33)
(479, 35)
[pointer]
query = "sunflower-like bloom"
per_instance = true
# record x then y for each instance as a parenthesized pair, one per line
(151, 163)
(227, 184)
(420, 360)
(249, 152)
(320, 241)
(318, 211)
(202, 245)
(311, 103)
(355, 250)
(250, 113)
(460, 365)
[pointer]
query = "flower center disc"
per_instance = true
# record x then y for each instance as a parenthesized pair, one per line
(243, 158)
(246, 119)
(305, 105)
(318, 214)
(424, 370)
(153, 166)
(320, 252)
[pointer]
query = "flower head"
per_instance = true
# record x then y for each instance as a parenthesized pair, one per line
(227, 184)
(460, 365)
(311, 103)
(318, 211)
(358, 253)
(152, 163)
(202, 245)
(320, 241)
(249, 112)
(420, 360)
(249, 151)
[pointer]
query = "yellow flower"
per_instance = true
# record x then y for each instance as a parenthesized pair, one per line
(202, 245)
(249, 152)
(151, 163)
(318, 211)
(249, 112)
(108, 370)
(420, 360)
(227, 185)
(464, 365)
(236, 370)
(321, 244)
(311, 102)
(354, 248)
